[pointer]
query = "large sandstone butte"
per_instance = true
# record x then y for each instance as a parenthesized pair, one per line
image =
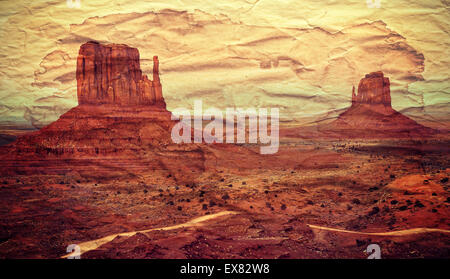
(111, 74)
(373, 89)
(120, 127)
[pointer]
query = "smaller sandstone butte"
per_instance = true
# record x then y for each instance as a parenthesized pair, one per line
(371, 114)
(373, 89)
(111, 74)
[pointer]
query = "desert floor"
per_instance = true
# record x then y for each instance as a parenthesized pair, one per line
(287, 208)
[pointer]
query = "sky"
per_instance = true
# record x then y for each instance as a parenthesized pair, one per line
(302, 57)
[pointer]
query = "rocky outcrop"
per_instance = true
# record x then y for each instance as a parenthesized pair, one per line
(373, 89)
(372, 116)
(111, 74)
(121, 128)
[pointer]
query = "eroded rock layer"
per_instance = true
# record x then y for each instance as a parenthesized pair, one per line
(111, 74)
(121, 128)
(370, 116)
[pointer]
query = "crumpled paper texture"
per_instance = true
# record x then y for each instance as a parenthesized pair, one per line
(300, 56)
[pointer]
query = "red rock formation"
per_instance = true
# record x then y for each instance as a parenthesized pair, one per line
(370, 116)
(120, 127)
(373, 89)
(121, 115)
(353, 95)
(111, 74)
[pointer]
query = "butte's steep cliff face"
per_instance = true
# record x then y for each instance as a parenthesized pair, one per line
(369, 116)
(111, 74)
(374, 88)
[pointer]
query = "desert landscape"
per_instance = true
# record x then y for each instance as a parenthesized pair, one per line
(107, 177)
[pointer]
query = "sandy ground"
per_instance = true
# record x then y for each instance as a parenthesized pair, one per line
(318, 199)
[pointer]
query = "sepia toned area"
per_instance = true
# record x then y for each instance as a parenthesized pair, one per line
(88, 156)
